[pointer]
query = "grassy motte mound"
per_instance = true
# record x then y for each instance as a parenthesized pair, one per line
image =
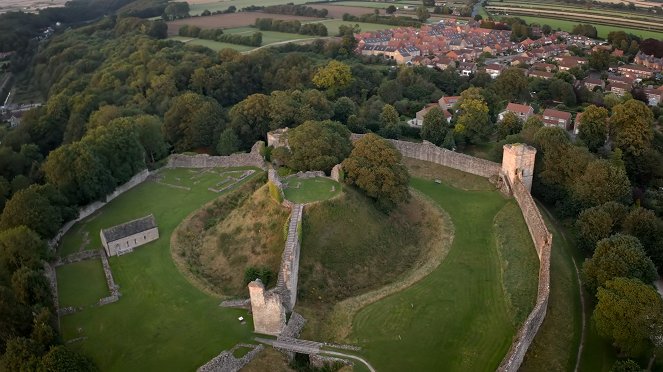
(349, 248)
(221, 241)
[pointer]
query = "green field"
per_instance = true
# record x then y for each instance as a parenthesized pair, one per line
(311, 189)
(268, 37)
(458, 318)
(214, 45)
(161, 322)
(214, 6)
(72, 291)
(602, 30)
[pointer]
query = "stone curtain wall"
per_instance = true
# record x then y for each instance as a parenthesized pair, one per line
(89, 209)
(289, 271)
(542, 239)
(253, 159)
(429, 152)
(136, 180)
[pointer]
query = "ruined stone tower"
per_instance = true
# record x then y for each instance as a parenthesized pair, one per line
(518, 163)
(268, 311)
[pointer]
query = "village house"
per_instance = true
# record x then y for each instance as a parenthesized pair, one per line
(556, 118)
(522, 111)
(648, 61)
(620, 79)
(124, 238)
(566, 63)
(620, 88)
(540, 74)
(418, 121)
(494, 70)
(653, 96)
(636, 71)
(541, 66)
(467, 68)
(447, 103)
(591, 83)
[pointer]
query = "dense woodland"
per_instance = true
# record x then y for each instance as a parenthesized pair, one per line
(121, 98)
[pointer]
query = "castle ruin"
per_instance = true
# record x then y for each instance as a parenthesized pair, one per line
(268, 310)
(518, 163)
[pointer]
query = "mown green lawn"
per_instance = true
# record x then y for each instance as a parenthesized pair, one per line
(72, 291)
(311, 189)
(457, 318)
(161, 322)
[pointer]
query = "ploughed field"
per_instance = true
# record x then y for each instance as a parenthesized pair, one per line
(463, 315)
(229, 20)
(161, 321)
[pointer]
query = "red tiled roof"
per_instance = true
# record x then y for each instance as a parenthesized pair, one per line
(516, 107)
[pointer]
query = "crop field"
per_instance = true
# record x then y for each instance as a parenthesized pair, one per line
(602, 30)
(581, 16)
(337, 11)
(578, 9)
(462, 316)
(228, 20)
(565, 16)
(161, 322)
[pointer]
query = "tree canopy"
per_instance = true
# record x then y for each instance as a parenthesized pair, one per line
(618, 256)
(630, 313)
(374, 166)
(318, 145)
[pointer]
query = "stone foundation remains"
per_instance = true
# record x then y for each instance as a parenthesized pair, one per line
(226, 361)
(252, 159)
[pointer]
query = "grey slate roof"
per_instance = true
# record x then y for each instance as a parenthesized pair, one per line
(129, 228)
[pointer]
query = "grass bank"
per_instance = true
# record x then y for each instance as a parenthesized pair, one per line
(214, 246)
(351, 248)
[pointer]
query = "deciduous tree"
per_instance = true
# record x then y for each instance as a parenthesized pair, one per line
(334, 76)
(648, 228)
(191, 121)
(374, 166)
(631, 127)
(630, 313)
(593, 128)
(510, 124)
(435, 126)
(600, 183)
(618, 256)
(318, 145)
(599, 222)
